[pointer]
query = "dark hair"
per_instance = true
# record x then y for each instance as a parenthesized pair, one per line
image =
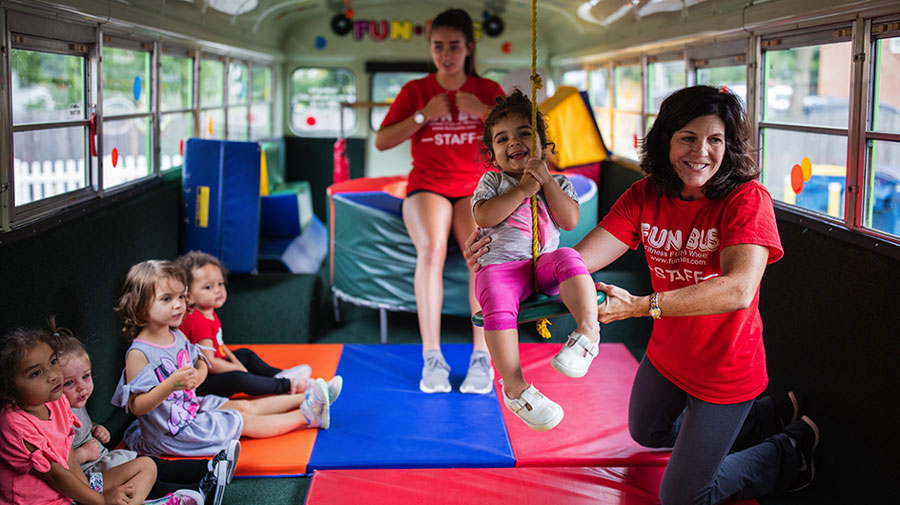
(515, 105)
(678, 109)
(13, 346)
(197, 259)
(458, 19)
(139, 290)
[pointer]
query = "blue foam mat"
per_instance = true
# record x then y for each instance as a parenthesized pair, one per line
(382, 420)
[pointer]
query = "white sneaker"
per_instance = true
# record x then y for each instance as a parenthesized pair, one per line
(536, 410)
(335, 386)
(297, 372)
(180, 497)
(576, 356)
(317, 405)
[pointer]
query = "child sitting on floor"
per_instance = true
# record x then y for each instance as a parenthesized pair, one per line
(241, 371)
(182, 478)
(501, 206)
(37, 462)
(163, 369)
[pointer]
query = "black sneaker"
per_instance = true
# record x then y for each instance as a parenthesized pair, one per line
(805, 434)
(212, 485)
(787, 408)
(230, 455)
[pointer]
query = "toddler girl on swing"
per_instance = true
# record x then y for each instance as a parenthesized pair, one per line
(502, 208)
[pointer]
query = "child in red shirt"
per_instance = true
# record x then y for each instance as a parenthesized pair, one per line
(242, 370)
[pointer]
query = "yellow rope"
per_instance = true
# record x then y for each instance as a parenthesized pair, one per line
(536, 84)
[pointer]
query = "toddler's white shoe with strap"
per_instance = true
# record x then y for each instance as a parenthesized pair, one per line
(536, 410)
(576, 355)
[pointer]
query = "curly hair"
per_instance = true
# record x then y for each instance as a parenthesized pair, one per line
(458, 19)
(13, 346)
(139, 290)
(514, 105)
(197, 259)
(678, 109)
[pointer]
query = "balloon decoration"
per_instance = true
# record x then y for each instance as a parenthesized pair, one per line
(311, 120)
(181, 148)
(320, 42)
(341, 24)
(115, 156)
(136, 88)
(506, 47)
(493, 26)
(797, 179)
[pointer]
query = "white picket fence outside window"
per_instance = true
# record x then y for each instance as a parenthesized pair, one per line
(36, 180)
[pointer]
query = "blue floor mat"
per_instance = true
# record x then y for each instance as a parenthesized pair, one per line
(382, 420)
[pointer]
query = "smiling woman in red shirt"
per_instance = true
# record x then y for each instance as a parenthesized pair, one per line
(443, 115)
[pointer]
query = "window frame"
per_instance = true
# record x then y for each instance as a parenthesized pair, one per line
(323, 133)
(117, 41)
(13, 214)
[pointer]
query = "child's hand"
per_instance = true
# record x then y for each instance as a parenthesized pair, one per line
(120, 495)
(529, 185)
(470, 104)
(88, 451)
(100, 433)
(537, 168)
(184, 378)
(438, 106)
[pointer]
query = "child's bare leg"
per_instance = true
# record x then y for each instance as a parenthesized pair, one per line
(580, 297)
(504, 348)
(277, 404)
(271, 425)
(139, 472)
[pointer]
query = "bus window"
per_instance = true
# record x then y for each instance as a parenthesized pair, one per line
(260, 102)
(212, 98)
(663, 78)
(882, 186)
(626, 110)
(724, 72)
(385, 87)
(576, 79)
(238, 96)
(315, 97)
(48, 95)
(176, 103)
(805, 114)
(598, 89)
(127, 120)
(495, 74)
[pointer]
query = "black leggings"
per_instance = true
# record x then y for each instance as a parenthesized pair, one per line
(175, 474)
(259, 379)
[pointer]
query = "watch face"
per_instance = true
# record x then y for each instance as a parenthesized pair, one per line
(419, 117)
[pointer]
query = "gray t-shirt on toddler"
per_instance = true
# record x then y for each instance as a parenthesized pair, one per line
(511, 239)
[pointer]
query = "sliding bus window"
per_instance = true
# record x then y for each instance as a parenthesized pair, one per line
(665, 75)
(238, 100)
(315, 97)
(50, 133)
(385, 87)
(260, 118)
(881, 204)
(577, 78)
(176, 105)
(599, 93)
(805, 114)
(212, 97)
(127, 119)
(495, 74)
(730, 72)
(627, 106)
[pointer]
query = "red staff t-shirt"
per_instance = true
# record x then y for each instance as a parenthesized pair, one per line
(446, 151)
(718, 358)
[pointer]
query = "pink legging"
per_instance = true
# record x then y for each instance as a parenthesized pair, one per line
(501, 287)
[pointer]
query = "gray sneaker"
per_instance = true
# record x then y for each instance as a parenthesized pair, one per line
(480, 377)
(435, 373)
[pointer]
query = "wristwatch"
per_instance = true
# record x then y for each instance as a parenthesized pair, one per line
(419, 117)
(655, 312)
